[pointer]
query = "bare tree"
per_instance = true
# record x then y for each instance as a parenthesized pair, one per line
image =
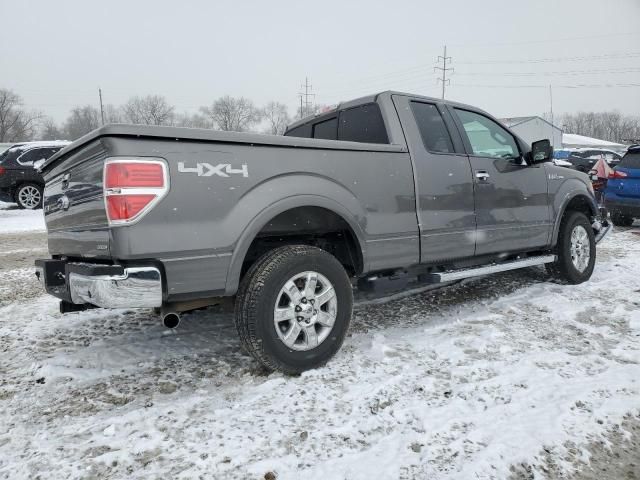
(277, 116)
(232, 114)
(50, 130)
(16, 124)
(149, 110)
(611, 126)
(192, 121)
(113, 114)
(81, 121)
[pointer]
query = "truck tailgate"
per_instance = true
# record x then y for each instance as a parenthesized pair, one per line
(74, 208)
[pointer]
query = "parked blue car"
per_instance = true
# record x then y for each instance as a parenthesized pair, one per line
(622, 195)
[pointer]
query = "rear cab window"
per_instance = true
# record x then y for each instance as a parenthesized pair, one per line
(326, 129)
(363, 123)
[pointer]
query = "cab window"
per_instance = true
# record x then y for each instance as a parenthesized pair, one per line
(487, 138)
(362, 124)
(433, 131)
(327, 129)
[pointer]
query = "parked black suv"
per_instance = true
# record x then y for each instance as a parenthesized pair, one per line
(20, 182)
(585, 159)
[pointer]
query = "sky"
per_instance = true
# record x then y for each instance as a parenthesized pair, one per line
(505, 53)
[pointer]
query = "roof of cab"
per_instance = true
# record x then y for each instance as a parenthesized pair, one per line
(372, 98)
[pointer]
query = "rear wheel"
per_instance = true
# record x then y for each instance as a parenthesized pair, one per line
(29, 196)
(576, 250)
(621, 220)
(293, 308)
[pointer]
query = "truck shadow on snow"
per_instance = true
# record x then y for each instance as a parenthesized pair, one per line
(144, 359)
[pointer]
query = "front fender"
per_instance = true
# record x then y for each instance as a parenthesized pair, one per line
(279, 194)
(567, 192)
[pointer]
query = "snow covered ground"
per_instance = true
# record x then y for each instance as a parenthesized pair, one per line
(13, 219)
(494, 377)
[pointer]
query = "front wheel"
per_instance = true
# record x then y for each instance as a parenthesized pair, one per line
(29, 196)
(576, 250)
(293, 308)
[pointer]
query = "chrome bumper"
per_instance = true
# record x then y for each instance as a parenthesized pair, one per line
(139, 287)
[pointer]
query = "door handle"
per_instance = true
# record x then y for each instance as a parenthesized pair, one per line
(482, 175)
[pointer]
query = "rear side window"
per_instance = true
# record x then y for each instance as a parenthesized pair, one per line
(362, 124)
(435, 135)
(34, 155)
(327, 129)
(631, 160)
(303, 131)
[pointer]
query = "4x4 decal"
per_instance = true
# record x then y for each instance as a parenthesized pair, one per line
(221, 169)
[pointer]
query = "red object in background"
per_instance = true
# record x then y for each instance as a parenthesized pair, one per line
(2, 170)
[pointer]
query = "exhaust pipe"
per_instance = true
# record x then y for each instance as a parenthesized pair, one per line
(171, 319)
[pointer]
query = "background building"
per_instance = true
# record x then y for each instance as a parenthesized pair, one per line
(531, 129)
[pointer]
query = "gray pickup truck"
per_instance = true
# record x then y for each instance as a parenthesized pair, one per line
(178, 219)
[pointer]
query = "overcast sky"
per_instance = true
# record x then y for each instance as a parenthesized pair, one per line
(56, 53)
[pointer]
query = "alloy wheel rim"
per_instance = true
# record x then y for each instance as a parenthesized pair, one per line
(305, 311)
(580, 248)
(29, 196)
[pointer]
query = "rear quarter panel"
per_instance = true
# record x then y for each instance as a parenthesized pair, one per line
(205, 224)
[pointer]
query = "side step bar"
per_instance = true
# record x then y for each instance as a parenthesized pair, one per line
(489, 269)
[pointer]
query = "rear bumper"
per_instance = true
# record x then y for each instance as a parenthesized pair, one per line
(106, 286)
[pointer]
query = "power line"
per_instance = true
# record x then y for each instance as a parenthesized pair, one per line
(559, 72)
(444, 69)
(551, 40)
(584, 85)
(610, 56)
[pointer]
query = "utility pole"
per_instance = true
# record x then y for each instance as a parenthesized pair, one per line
(101, 107)
(551, 102)
(306, 104)
(444, 69)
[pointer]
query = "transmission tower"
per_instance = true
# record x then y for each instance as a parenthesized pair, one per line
(444, 69)
(305, 96)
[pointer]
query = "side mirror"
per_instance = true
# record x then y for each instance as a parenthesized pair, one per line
(541, 151)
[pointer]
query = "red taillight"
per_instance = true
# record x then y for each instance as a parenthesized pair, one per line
(2, 170)
(618, 174)
(138, 174)
(132, 186)
(125, 207)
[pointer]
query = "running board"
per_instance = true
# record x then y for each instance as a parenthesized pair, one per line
(489, 269)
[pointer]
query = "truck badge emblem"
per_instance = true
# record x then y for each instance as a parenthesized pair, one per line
(207, 170)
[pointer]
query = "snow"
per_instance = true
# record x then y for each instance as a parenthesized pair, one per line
(574, 140)
(43, 143)
(13, 219)
(457, 382)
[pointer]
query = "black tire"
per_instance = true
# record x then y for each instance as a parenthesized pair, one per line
(621, 220)
(23, 202)
(257, 296)
(563, 268)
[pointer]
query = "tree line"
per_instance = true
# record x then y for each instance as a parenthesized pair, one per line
(237, 114)
(611, 126)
